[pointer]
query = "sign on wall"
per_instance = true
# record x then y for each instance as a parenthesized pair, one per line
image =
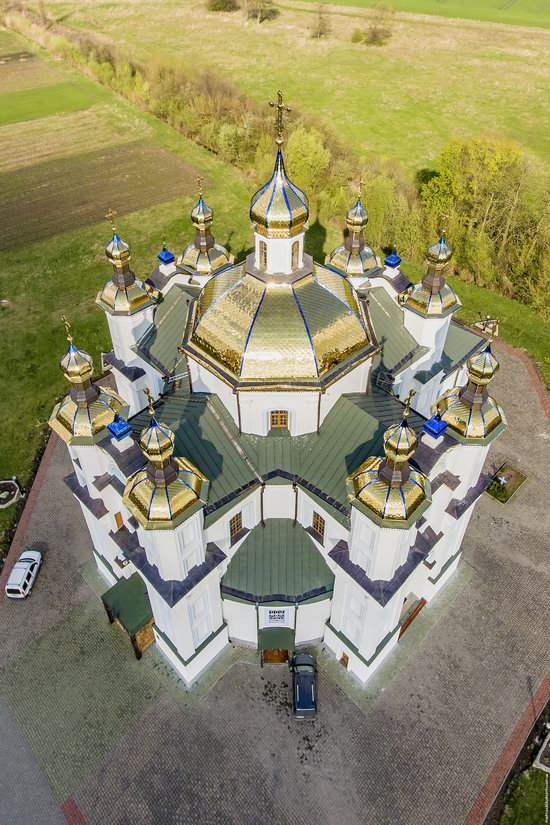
(276, 616)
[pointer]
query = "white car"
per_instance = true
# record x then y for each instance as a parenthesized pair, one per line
(23, 574)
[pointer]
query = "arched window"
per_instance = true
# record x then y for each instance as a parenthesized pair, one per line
(263, 255)
(295, 253)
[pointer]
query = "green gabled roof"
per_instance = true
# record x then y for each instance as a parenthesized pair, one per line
(278, 560)
(128, 602)
(395, 340)
(159, 347)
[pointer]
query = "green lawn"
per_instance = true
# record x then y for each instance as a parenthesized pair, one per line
(435, 79)
(526, 805)
(516, 12)
(71, 96)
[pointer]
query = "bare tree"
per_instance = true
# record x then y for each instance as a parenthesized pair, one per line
(321, 26)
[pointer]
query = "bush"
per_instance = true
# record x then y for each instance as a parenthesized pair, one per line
(357, 36)
(222, 5)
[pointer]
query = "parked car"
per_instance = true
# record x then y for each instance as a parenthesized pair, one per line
(23, 574)
(304, 687)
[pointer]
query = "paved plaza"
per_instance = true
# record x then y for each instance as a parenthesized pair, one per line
(102, 739)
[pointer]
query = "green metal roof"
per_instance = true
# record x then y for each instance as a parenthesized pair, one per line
(129, 603)
(395, 340)
(160, 346)
(276, 638)
(279, 559)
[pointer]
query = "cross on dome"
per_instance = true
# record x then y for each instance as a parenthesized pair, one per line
(200, 181)
(150, 400)
(67, 328)
(408, 400)
(110, 216)
(279, 117)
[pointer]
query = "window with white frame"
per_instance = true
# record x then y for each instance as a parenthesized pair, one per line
(199, 616)
(354, 617)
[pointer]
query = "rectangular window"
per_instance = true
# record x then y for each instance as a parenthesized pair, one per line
(199, 615)
(263, 255)
(235, 526)
(318, 524)
(279, 419)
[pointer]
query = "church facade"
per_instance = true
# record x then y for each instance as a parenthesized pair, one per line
(293, 450)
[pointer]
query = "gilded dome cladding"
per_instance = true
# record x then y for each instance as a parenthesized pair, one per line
(125, 300)
(432, 303)
(74, 422)
(163, 507)
(157, 441)
(390, 504)
(76, 364)
(350, 263)
(279, 208)
(205, 262)
(357, 217)
(201, 214)
(469, 422)
(278, 333)
(400, 442)
(117, 250)
(440, 252)
(483, 367)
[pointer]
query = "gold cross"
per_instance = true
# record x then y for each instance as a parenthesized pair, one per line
(110, 217)
(408, 400)
(200, 182)
(147, 392)
(361, 182)
(67, 328)
(279, 120)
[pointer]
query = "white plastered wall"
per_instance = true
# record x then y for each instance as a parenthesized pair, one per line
(279, 253)
(175, 552)
(126, 331)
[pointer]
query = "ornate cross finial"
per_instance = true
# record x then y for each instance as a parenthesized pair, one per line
(200, 181)
(408, 400)
(163, 241)
(110, 216)
(150, 399)
(67, 328)
(279, 119)
(361, 184)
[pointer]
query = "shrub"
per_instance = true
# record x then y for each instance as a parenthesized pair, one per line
(357, 36)
(222, 5)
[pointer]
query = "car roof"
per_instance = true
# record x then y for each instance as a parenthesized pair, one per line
(31, 555)
(305, 700)
(17, 574)
(303, 659)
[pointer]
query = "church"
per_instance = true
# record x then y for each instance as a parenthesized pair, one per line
(293, 450)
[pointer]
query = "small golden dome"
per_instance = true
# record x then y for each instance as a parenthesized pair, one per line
(157, 441)
(400, 442)
(483, 366)
(432, 304)
(392, 505)
(205, 261)
(76, 364)
(357, 217)
(117, 250)
(279, 209)
(201, 214)
(471, 422)
(164, 507)
(350, 264)
(440, 252)
(126, 300)
(76, 423)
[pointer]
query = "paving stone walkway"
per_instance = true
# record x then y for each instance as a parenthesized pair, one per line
(110, 740)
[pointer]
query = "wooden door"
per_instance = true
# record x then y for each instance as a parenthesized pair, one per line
(412, 616)
(275, 656)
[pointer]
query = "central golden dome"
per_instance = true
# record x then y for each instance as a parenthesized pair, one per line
(295, 335)
(279, 209)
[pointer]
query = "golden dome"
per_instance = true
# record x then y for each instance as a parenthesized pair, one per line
(279, 209)
(471, 422)
(400, 442)
(157, 441)
(201, 214)
(76, 423)
(164, 507)
(205, 261)
(351, 264)
(117, 250)
(393, 506)
(76, 364)
(254, 332)
(440, 252)
(483, 366)
(126, 300)
(430, 303)
(357, 217)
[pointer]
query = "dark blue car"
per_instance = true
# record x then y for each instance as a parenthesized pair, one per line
(304, 688)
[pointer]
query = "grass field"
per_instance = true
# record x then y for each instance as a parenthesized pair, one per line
(526, 805)
(515, 12)
(436, 79)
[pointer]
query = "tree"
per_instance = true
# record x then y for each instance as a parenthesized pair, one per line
(260, 10)
(222, 5)
(379, 29)
(321, 26)
(308, 158)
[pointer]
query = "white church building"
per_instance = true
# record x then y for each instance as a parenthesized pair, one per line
(293, 450)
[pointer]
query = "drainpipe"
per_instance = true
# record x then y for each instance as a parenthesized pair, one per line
(239, 413)
(319, 414)
(262, 522)
(295, 488)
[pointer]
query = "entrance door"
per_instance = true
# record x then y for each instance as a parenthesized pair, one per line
(411, 608)
(275, 656)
